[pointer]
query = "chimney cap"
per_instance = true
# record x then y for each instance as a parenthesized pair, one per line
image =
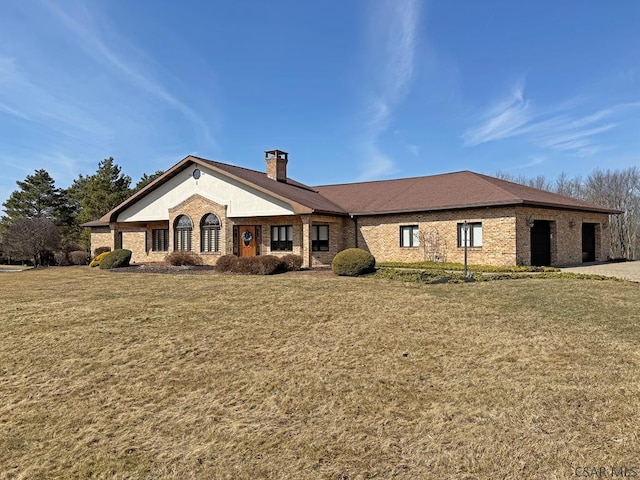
(275, 152)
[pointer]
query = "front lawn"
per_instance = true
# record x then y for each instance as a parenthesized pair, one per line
(128, 375)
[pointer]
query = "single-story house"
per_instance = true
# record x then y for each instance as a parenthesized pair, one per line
(213, 209)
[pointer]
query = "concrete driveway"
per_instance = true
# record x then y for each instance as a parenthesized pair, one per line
(626, 270)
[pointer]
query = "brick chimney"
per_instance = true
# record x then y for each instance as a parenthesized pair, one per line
(276, 164)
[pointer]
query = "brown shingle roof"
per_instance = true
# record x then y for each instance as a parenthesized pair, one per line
(302, 198)
(291, 190)
(443, 192)
(437, 192)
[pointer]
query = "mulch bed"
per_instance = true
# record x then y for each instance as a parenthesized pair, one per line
(203, 270)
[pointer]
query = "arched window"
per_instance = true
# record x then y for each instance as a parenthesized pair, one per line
(210, 233)
(182, 233)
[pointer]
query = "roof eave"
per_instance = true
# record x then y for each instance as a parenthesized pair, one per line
(491, 205)
(577, 208)
(438, 208)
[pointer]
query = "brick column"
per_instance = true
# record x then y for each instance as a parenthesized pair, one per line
(305, 246)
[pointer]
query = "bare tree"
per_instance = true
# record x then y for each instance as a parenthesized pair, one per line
(30, 239)
(539, 181)
(618, 189)
(569, 187)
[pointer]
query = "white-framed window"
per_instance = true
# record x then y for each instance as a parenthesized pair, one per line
(474, 234)
(409, 236)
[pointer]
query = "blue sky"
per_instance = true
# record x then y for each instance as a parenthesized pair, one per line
(352, 89)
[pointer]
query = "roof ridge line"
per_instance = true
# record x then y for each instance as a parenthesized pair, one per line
(392, 179)
(296, 183)
(485, 178)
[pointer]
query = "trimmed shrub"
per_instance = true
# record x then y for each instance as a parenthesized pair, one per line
(78, 257)
(178, 259)
(264, 265)
(270, 264)
(100, 250)
(61, 258)
(353, 262)
(98, 259)
(261, 265)
(247, 265)
(120, 257)
(292, 263)
(227, 263)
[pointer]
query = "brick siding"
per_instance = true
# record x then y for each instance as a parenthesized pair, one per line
(505, 232)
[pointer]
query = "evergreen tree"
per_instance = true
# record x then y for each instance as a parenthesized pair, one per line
(37, 197)
(96, 194)
(146, 180)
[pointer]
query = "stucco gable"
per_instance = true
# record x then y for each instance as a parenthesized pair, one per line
(241, 200)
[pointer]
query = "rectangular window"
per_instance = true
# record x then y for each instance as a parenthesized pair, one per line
(409, 236)
(210, 239)
(320, 238)
(474, 234)
(160, 240)
(282, 238)
(183, 239)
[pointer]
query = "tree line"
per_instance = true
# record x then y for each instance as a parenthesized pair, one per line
(41, 222)
(618, 189)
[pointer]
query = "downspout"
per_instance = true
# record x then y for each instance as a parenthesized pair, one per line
(355, 229)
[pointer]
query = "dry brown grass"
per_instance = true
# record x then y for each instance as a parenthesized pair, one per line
(107, 375)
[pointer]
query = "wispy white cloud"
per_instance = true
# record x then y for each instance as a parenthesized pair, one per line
(25, 99)
(62, 166)
(12, 111)
(503, 119)
(80, 21)
(391, 66)
(534, 161)
(562, 129)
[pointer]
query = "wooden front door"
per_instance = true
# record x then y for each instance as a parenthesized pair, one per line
(247, 241)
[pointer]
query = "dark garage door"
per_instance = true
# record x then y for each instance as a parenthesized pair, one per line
(541, 243)
(588, 242)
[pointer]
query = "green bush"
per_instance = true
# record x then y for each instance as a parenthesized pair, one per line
(292, 263)
(181, 258)
(120, 257)
(353, 262)
(98, 259)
